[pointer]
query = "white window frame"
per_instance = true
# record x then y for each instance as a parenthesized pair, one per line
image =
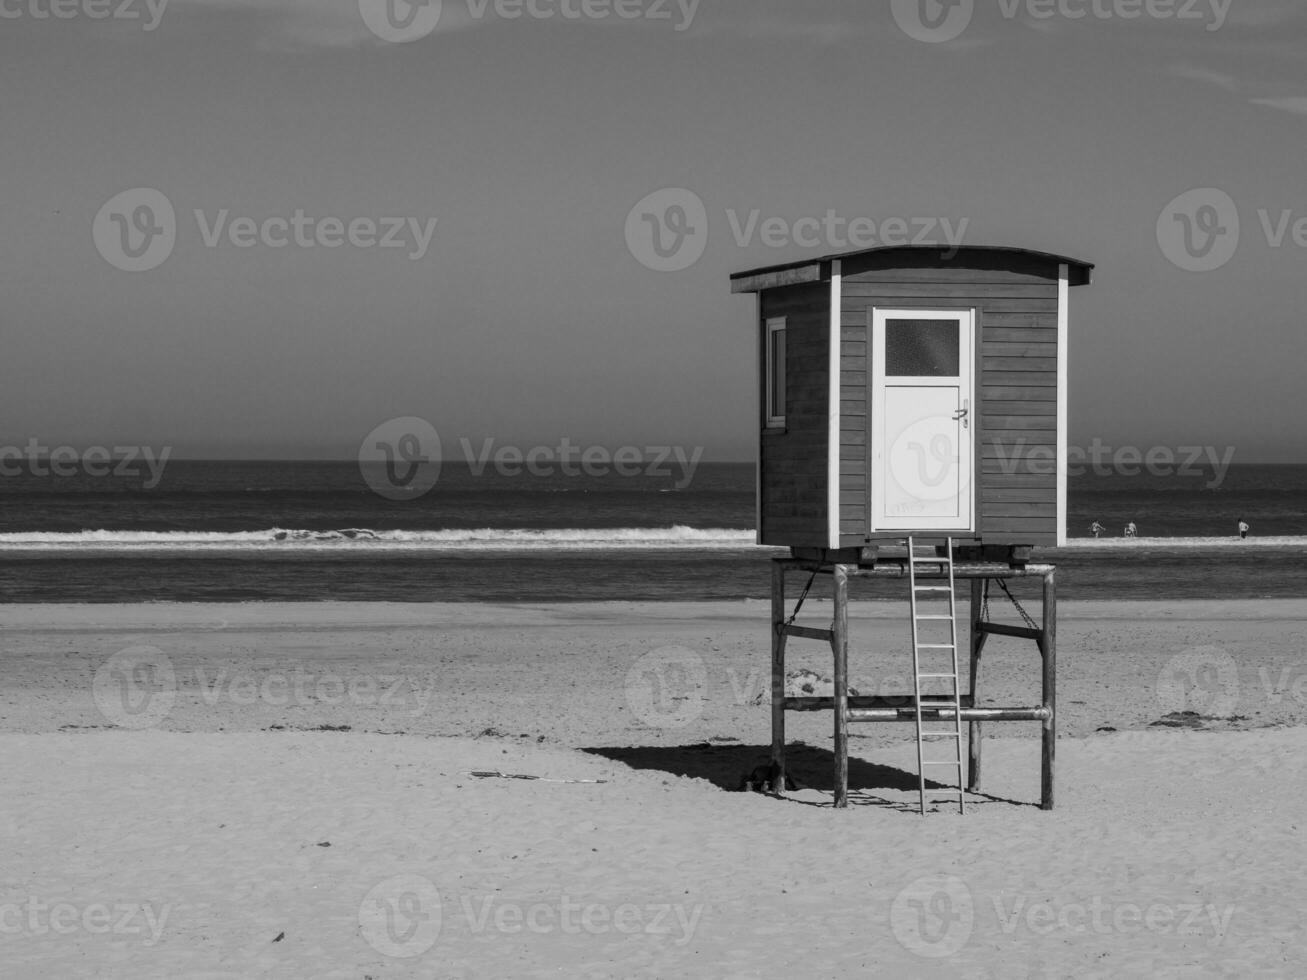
(774, 325)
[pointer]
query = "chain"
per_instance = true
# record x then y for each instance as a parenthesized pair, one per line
(799, 605)
(1024, 615)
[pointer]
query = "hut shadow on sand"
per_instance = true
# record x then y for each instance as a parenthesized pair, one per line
(727, 765)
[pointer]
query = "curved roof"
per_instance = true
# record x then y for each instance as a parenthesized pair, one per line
(816, 270)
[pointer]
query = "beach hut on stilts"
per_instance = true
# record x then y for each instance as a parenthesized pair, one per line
(912, 408)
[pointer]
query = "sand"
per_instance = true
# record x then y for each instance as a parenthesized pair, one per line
(280, 790)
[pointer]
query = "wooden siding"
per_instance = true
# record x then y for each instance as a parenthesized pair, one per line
(793, 462)
(1015, 399)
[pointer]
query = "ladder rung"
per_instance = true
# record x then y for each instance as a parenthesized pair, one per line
(933, 616)
(951, 676)
(936, 646)
(932, 588)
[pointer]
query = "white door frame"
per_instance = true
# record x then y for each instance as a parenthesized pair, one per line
(964, 383)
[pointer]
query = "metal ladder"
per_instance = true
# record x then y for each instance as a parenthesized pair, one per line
(935, 702)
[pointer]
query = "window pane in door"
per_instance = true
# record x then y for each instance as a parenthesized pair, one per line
(921, 348)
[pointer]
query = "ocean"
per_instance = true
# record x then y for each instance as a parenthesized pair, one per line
(226, 531)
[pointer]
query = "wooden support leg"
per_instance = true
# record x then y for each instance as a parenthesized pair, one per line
(777, 674)
(1048, 651)
(977, 645)
(840, 647)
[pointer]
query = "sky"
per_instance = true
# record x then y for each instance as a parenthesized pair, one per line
(431, 211)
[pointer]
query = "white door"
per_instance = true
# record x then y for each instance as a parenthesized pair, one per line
(921, 420)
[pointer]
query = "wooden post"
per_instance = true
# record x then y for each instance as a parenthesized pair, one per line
(977, 645)
(840, 646)
(778, 674)
(1048, 651)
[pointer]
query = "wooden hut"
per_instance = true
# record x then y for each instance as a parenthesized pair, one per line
(913, 390)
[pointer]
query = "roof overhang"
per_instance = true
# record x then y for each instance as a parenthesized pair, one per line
(819, 270)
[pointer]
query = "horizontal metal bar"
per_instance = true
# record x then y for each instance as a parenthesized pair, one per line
(906, 702)
(999, 629)
(967, 714)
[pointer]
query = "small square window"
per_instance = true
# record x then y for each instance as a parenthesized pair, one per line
(921, 348)
(775, 368)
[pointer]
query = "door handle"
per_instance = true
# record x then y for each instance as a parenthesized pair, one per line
(962, 413)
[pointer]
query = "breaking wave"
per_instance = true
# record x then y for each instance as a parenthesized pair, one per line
(470, 539)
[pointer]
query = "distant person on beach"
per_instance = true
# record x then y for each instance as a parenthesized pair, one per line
(1131, 530)
(1243, 528)
(1097, 528)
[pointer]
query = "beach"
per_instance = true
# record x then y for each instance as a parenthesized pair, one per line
(287, 790)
